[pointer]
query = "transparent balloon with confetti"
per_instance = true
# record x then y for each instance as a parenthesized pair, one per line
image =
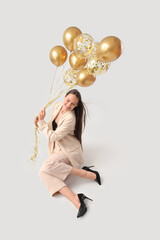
(95, 66)
(69, 77)
(84, 43)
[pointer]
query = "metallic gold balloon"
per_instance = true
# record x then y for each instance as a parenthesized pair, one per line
(109, 49)
(58, 55)
(85, 78)
(85, 43)
(77, 60)
(69, 35)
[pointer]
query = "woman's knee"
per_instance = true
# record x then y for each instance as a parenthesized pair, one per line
(48, 167)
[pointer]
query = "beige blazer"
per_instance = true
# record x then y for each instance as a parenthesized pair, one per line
(64, 135)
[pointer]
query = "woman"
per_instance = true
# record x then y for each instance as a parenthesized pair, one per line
(64, 130)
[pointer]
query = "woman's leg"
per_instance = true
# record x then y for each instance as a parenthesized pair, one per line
(52, 183)
(54, 171)
(67, 192)
(57, 165)
(83, 173)
(56, 186)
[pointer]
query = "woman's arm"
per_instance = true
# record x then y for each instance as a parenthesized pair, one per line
(48, 122)
(66, 127)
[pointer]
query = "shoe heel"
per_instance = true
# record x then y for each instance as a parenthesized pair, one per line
(90, 166)
(88, 198)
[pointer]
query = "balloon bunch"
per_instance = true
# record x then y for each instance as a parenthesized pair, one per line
(87, 59)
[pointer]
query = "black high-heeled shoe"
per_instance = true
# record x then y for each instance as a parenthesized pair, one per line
(83, 207)
(98, 179)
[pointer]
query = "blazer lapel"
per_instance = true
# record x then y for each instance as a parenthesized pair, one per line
(57, 109)
(55, 113)
(62, 118)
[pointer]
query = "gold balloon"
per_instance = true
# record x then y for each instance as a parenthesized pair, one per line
(109, 49)
(85, 78)
(69, 36)
(77, 60)
(58, 55)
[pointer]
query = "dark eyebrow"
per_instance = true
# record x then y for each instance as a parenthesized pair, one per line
(72, 102)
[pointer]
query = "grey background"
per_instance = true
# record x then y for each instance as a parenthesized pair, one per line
(122, 134)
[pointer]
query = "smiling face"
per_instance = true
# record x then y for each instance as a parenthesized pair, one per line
(70, 102)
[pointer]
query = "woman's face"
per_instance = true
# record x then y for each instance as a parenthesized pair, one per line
(70, 102)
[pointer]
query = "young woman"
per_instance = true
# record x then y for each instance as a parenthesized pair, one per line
(63, 131)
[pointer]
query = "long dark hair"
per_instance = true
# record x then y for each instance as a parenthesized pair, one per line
(80, 112)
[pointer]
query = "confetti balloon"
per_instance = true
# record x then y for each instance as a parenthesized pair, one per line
(69, 77)
(85, 43)
(95, 66)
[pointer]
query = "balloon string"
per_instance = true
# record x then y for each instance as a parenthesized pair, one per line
(60, 75)
(53, 81)
(66, 78)
(60, 94)
(33, 158)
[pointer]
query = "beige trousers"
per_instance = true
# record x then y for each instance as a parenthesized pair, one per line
(54, 170)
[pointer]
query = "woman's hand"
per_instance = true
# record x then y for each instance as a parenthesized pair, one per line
(42, 114)
(36, 120)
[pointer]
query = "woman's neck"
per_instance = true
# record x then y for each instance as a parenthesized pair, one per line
(63, 110)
